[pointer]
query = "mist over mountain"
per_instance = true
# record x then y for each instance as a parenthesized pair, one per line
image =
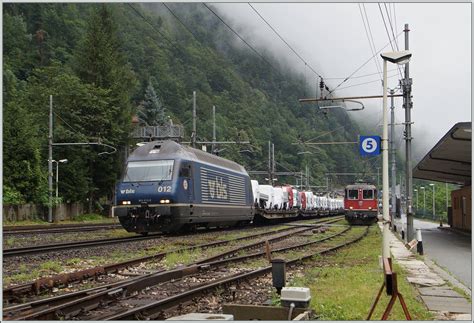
(97, 60)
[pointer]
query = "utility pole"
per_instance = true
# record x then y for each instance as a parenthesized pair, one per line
(447, 207)
(392, 151)
(50, 161)
(213, 128)
(434, 209)
(270, 180)
(401, 186)
(378, 178)
(273, 162)
(408, 105)
(193, 138)
(307, 178)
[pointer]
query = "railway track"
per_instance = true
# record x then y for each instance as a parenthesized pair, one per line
(72, 245)
(48, 283)
(58, 228)
(114, 296)
(153, 309)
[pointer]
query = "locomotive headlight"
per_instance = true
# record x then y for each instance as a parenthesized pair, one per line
(370, 208)
(350, 207)
(165, 201)
(162, 201)
(126, 202)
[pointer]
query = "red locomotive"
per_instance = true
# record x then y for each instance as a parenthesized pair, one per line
(360, 203)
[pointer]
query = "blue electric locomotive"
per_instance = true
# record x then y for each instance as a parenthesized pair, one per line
(168, 187)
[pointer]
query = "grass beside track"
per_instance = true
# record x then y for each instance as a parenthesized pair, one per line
(344, 285)
(83, 218)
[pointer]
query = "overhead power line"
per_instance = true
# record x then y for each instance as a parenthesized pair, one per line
(360, 67)
(243, 40)
(359, 84)
(391, 25)
(152, 26)
(372, 49)
(284, 41)
(389, 38)
(379, 68)
(358, 77)
(182, 23)
(386, 29)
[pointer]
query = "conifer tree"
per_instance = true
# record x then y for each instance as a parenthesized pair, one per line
(100, 62)
(152, 111)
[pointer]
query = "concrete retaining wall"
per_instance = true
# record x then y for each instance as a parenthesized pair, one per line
(65, 211)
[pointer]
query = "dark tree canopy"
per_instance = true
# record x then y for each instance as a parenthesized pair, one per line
(104, 64)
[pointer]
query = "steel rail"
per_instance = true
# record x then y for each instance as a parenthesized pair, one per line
(48, 283)
(66, 229)
(71, 304)
(153, 309)
(49, 226)
(72, 245)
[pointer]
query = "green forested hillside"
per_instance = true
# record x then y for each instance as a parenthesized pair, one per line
(98, 60)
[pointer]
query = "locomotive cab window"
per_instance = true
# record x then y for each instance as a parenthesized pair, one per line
(368, 194)
(352, 194)
(185, 171)
(155, 170)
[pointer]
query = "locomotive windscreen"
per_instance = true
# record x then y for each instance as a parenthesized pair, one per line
(368, 194)
(142, 171)
(353, 194)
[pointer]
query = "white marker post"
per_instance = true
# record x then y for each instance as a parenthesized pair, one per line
(419, 246)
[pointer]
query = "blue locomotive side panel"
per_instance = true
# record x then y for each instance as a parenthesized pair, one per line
(218, 187)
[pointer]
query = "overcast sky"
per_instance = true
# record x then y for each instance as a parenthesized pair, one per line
(332, 39)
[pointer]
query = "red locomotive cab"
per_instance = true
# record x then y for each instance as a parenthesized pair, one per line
(360, 203)
(302, 197)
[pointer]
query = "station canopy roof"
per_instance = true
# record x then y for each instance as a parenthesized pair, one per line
(450, 159)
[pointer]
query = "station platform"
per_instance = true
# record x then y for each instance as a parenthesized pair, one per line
(449, 249)
(446, 247)
(432, 282)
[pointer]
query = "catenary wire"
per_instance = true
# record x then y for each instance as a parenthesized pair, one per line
(284, 41)
(386, 29)
(182, 23)
(77, 132)
(371, 37)
(391, 25)
(360, 67)
(358, 77)
(388, 35)
(359, 84)
(394, 15)
(152, 26)
(368, 38)
(243, 40)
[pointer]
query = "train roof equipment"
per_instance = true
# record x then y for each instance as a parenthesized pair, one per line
(171, 150)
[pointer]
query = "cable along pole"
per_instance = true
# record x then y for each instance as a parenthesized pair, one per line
(393, 156)
(193, 136)
(408, 105)
(50, 161)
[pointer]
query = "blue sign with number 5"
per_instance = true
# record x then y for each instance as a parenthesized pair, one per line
(369, 145)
